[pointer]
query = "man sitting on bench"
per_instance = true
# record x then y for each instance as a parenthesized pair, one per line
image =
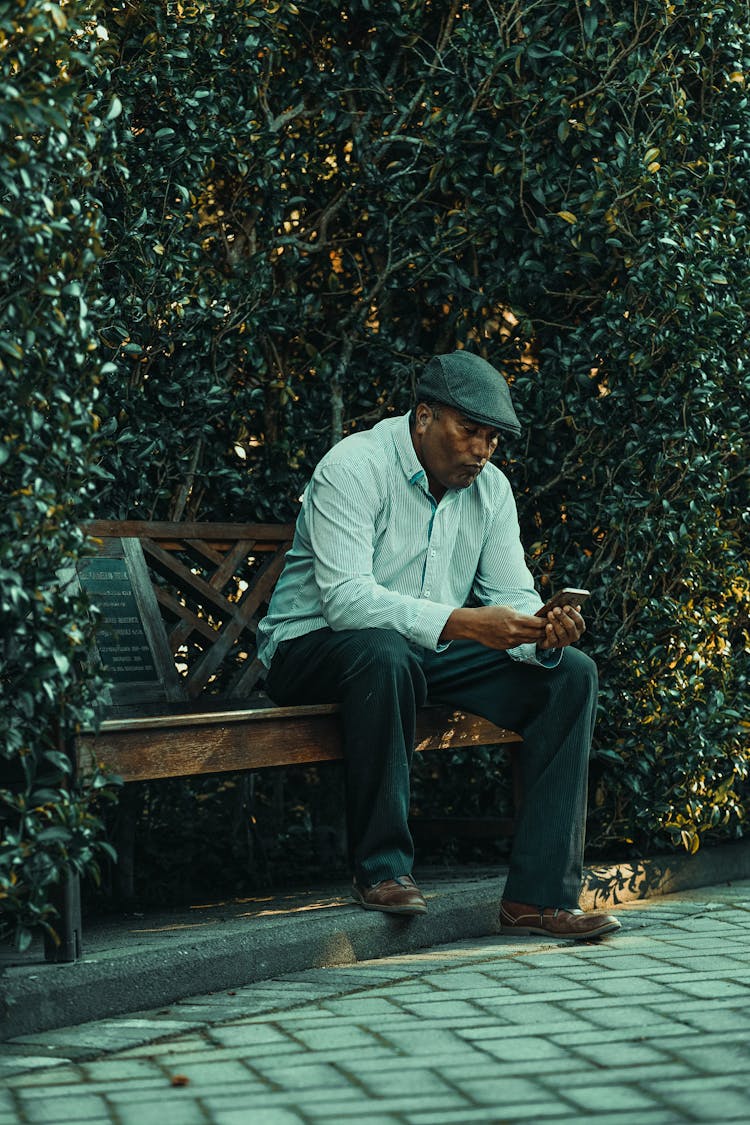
(406, 580)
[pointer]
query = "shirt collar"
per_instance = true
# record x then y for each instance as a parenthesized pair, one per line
(406, 453)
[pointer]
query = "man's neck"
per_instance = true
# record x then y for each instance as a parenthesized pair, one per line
(437, 490)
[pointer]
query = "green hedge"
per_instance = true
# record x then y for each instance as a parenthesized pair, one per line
(305, 201)
(54, 138)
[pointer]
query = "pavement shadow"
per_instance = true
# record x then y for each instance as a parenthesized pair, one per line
(662, 875)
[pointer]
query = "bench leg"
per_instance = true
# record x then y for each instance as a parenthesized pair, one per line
(257, 858)
(67, 899)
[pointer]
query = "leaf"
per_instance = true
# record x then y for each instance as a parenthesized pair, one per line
(58, 16)
(22, 939)
(115, 109)
(568, 216)
(55, 836)
(58, 759)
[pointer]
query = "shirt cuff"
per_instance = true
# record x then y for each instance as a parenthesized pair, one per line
(531, 654)
(429, 623)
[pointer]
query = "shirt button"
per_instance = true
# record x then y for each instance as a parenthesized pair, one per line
(427, 593)
(433, 553)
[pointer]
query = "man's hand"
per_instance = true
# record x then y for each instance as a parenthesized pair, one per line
(563, 627)
(496, 626)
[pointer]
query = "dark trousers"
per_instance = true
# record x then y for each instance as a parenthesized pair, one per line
(379, 680)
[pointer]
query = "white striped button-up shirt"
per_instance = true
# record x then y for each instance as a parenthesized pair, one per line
(372, 548)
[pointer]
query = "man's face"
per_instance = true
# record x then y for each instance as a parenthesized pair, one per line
(452, 448)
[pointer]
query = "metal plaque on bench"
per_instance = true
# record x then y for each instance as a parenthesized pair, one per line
(130, 639)
(121, 638)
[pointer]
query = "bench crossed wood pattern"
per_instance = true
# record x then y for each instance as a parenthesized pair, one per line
(212, 583)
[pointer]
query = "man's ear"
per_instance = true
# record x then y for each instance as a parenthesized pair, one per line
(424, 415)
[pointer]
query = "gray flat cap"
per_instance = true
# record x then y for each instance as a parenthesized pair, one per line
(472, 385)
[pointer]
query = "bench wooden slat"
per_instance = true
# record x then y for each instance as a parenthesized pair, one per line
(215, 553)
(153, 625)
(183, 614)
(229, 562)
(162, 529)
(183, 745)
(435, 829)
(209, 715)
(253, 671)
(187, 621)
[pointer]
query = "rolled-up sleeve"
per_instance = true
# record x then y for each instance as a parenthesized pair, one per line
(341, 508)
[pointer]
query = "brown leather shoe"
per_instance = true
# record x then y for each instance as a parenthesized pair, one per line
(550, 921)
(393, 896)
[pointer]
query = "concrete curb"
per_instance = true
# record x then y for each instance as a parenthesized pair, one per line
(664, 875)
(132, 965)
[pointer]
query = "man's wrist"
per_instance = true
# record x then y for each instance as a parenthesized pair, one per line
(458, 627)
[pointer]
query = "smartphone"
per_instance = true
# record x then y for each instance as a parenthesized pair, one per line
(568, 596)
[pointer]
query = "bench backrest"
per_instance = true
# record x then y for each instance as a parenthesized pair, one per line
(181, 605)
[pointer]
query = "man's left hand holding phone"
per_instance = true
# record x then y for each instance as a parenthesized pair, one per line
(564, 623)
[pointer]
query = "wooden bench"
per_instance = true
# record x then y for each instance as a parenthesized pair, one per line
(181, 605)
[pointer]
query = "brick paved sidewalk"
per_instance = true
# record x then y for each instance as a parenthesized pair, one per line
(649, 1027)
